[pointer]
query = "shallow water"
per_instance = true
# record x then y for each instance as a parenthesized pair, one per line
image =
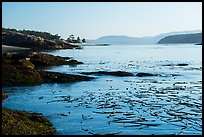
(167, 104)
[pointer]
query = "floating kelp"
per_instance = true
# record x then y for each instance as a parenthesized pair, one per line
(197, 110)
(107, 112)
(133, 125)
(180, 64)
(145, 74)
(129, 114)
(173, 113)
(113, 73)
(62, 114)
(114, 133)
(148, 123)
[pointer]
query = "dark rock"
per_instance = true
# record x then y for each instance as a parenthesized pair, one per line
(145, 74)
(55, 77)
(67, 58)
(19, 74)
(40, 97)
(19, 70)
(63, 115)
(183, 64)
(73, 62)
(198, 43)
(40, 60)
(114, 73)
(174, 75)
(4, 95)
(180, 64)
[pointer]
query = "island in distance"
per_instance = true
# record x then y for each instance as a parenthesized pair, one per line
(148, 40)
(182, 38)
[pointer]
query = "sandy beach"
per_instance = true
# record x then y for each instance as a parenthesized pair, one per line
(6, 48)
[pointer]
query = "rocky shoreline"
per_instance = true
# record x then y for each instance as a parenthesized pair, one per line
(22, 65)
(33, 42)
(22, 69)
(25, 123)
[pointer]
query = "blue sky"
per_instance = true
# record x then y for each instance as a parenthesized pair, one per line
(92, 20)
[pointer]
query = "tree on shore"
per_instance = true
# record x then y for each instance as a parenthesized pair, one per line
(83, 41)
(72, 39)
(44, 35)
(69, 40)
(78, 40)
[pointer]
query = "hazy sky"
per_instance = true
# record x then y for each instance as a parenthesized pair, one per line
(92, 20)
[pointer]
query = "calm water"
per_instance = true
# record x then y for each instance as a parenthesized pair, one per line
(167, 104)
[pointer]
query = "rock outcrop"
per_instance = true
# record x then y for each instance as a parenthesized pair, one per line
(113, 73)
(4, 95)
(35, 43)
(55, 77)
(42, 60)
(19, 74)
(180, 64)
(21, 69)
(24, 123)
(146, 74)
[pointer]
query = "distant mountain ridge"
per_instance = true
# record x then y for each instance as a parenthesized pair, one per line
(182, 38)
(116, 40)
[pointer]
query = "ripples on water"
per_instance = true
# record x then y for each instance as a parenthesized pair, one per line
(166, 104)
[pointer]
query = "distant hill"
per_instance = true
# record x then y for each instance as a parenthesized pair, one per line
(118, 40)
(182, 38)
